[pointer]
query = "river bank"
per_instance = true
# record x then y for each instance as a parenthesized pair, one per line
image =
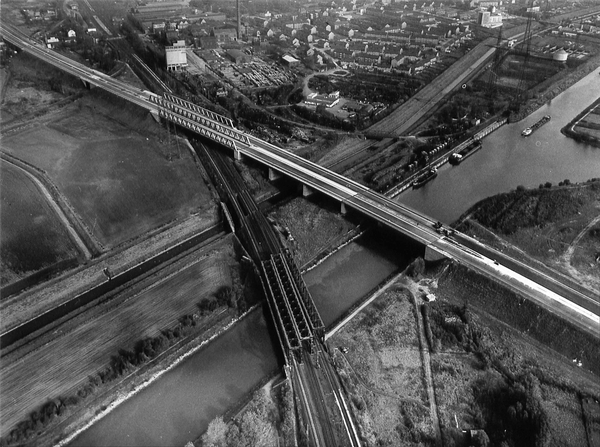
(109, 399)
(580, 134)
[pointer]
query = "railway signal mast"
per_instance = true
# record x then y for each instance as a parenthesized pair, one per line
(493, 73)
(526, 47)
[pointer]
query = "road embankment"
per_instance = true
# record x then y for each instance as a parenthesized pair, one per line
(523, 315)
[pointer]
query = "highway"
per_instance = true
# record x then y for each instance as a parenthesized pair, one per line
(574, 306)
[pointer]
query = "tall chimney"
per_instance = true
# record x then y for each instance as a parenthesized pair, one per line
(239, 20)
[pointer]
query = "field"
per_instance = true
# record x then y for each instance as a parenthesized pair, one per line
(32, 235)
(82, 349)
(313, 227)
(480, 355)
(383, 372)
(117, 180)
(481, 368)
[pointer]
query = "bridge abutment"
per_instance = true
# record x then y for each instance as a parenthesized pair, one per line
(432, 254)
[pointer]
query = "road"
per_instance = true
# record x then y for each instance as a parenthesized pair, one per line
(555, 296)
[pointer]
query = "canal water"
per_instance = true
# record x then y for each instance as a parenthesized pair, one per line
(508, 160)
(178, 407)
(342, 280)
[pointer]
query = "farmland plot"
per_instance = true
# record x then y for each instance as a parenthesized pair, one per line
(118, 181)
(33, 237)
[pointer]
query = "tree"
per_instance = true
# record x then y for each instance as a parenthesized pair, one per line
(216, 434)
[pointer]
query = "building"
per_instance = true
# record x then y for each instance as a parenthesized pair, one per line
(489, 19)
(52, 42)
(316, 99)
(225, 34)
(238, 57)
(290, 61)
(176, 56)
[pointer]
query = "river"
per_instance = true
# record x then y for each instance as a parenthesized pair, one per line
(508, 160)
(178, 407)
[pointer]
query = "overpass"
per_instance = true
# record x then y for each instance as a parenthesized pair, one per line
(572, 305)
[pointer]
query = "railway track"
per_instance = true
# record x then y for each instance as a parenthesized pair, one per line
(43, 323)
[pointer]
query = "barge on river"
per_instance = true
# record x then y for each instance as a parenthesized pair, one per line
(459, 157)
(424, 178)
(536, 126)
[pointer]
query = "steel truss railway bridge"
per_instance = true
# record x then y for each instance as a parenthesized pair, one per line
(323, 413)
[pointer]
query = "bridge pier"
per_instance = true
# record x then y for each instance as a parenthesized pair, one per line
(343, 209)
(274, 175)
(307, 190)
(431, 254)
(86, 84)
(237, 155)
(155, 115)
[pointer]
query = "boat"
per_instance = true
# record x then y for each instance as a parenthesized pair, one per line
(424, 178)
(536, 126)
(458, 157)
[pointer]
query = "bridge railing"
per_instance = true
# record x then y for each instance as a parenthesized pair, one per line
(172, 111)
(224, 136)
(168, 98)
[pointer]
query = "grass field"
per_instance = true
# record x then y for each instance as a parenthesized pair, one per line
(119, 181)
(312, 226)
(460, 372)
(383, 372)
(67, 360)
(32, 236)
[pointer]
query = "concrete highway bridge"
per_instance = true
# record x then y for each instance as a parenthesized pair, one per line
(579, 308)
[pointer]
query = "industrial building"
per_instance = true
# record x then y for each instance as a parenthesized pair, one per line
(176, 56)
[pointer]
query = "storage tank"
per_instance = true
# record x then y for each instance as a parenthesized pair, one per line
(560, 55)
